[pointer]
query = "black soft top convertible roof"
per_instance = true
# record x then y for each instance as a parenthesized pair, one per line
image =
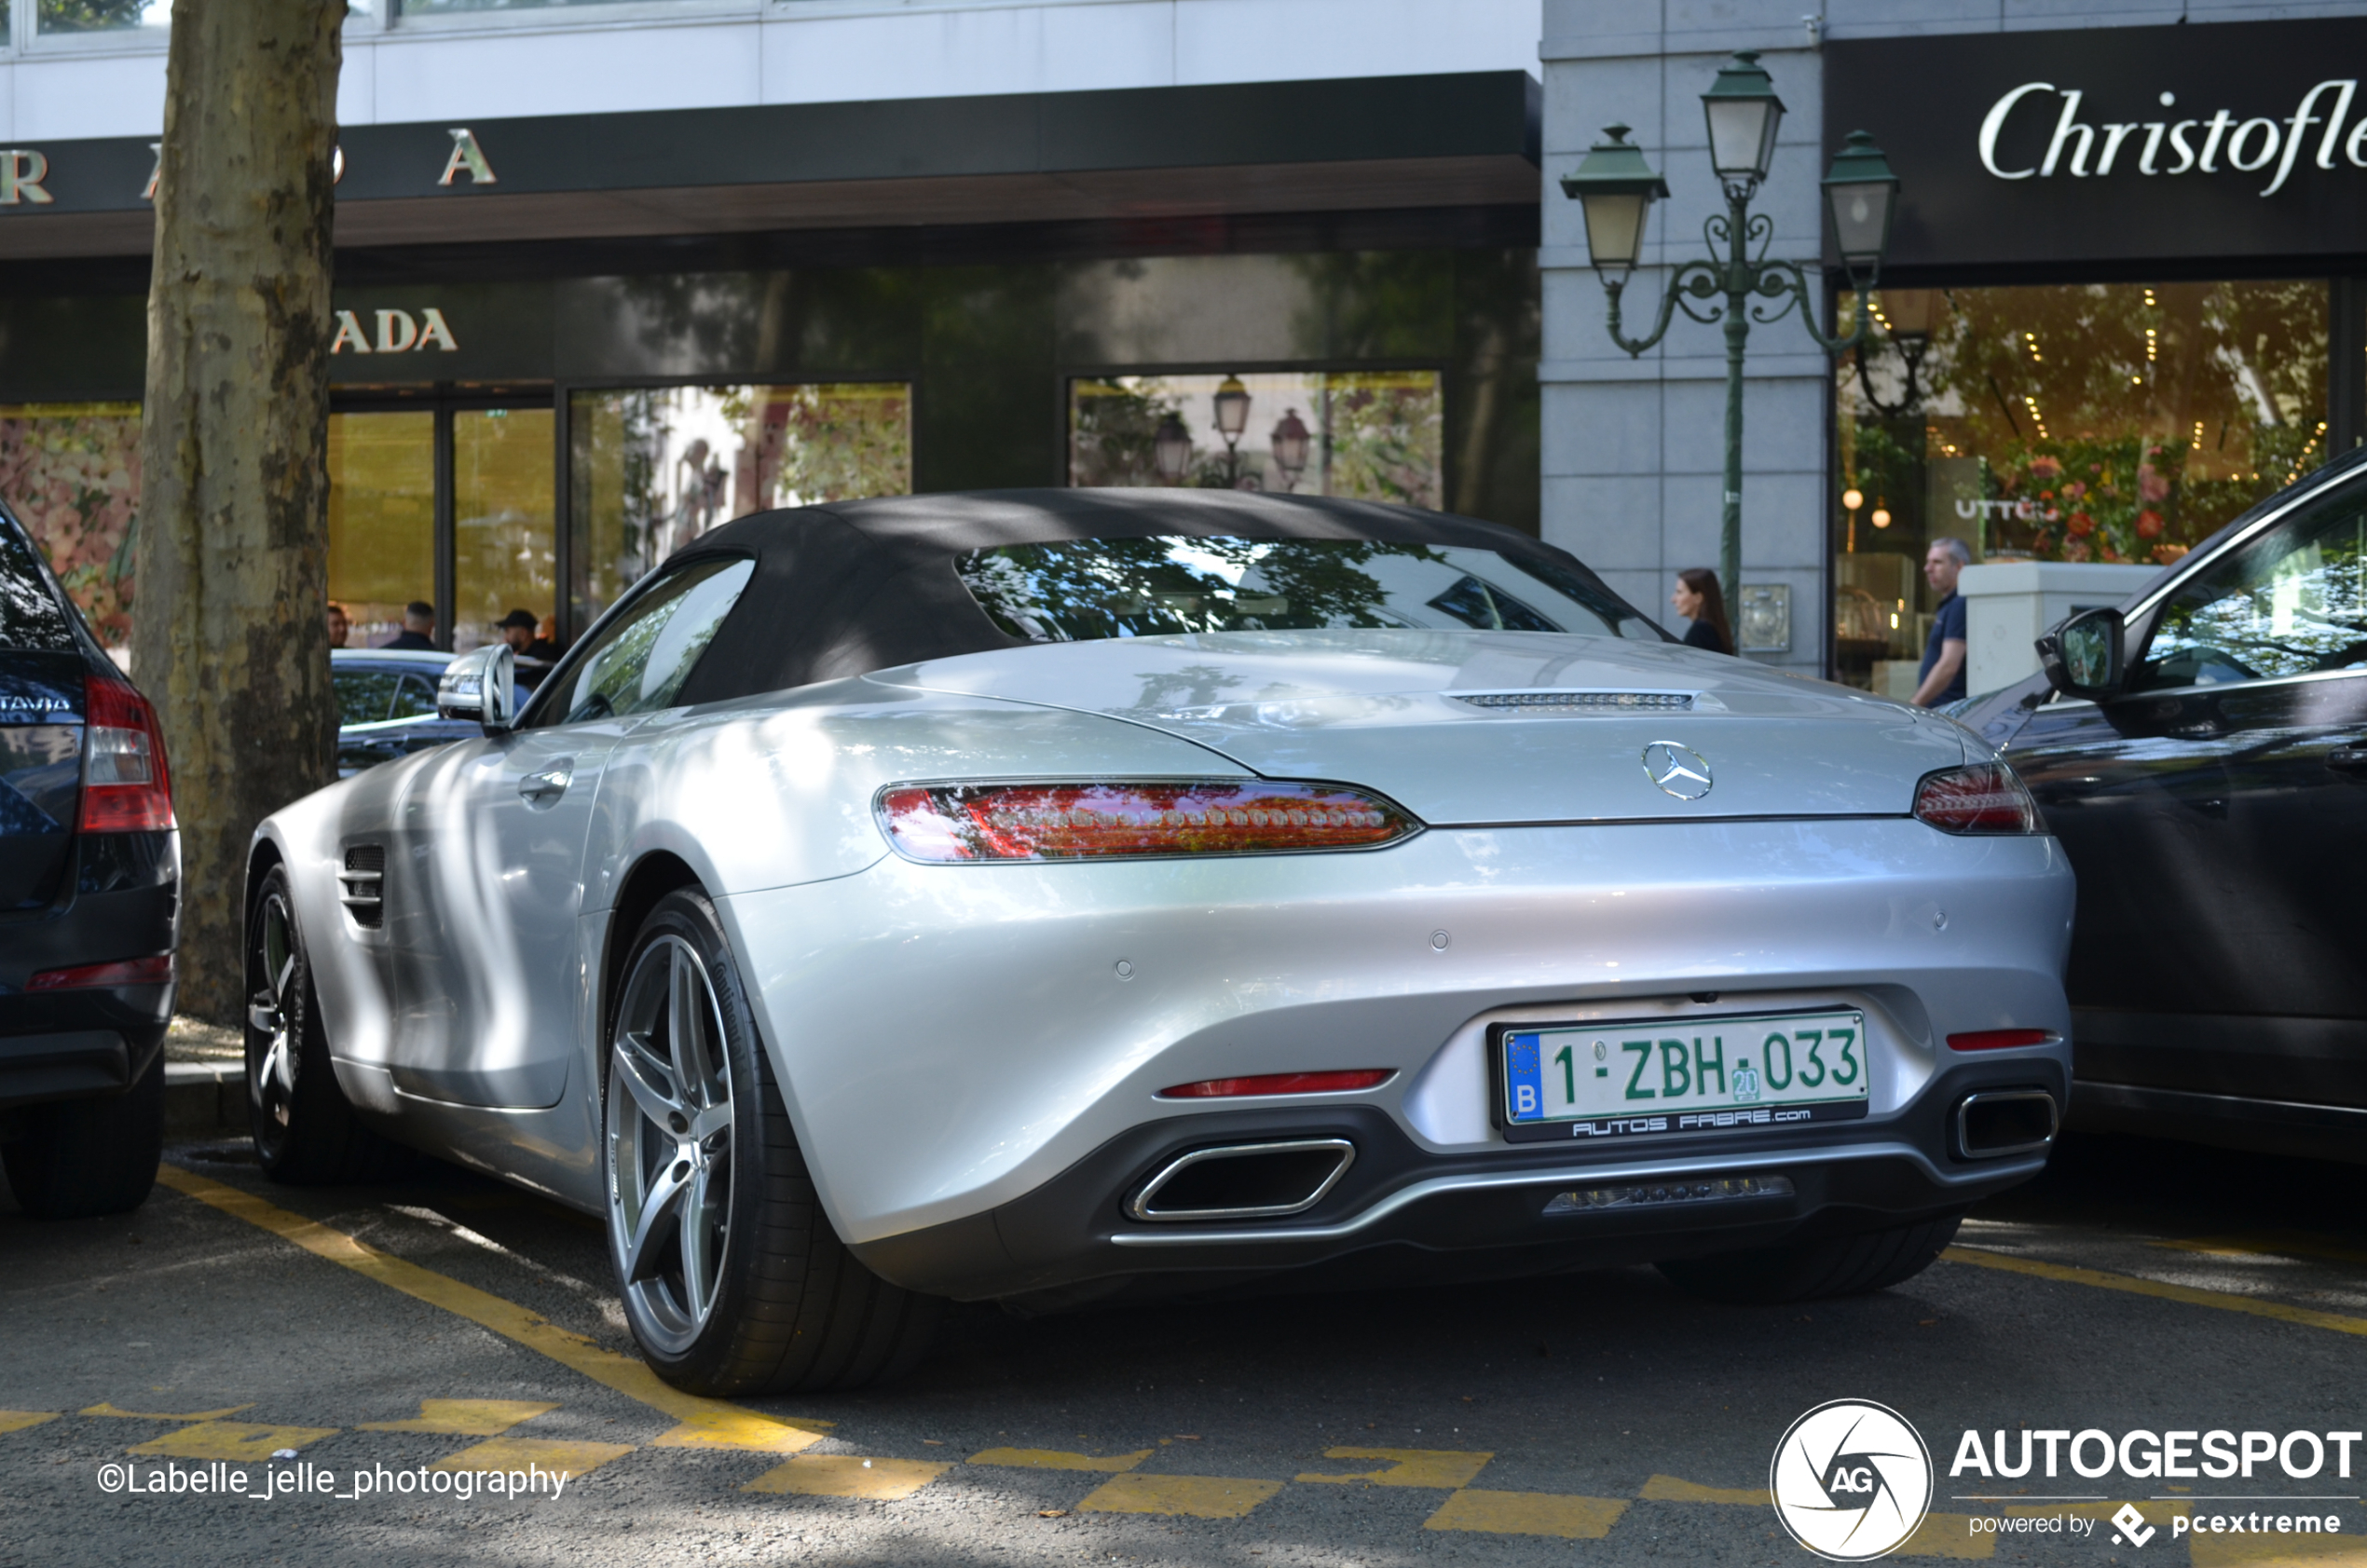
(858, 586)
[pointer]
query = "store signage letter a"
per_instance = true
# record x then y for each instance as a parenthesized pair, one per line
(468, 157)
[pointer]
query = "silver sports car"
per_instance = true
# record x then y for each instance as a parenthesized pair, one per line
(1053, 897)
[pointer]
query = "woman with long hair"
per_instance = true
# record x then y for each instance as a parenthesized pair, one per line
(1697, 600)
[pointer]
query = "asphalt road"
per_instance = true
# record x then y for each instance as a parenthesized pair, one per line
(1591, 1418)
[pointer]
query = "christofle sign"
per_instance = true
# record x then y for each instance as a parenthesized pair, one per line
(2201, 140)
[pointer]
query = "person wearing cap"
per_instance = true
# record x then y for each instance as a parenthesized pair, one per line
(517, 629)
(534, 655)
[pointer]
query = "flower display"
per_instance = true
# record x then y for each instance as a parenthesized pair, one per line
(70, 474)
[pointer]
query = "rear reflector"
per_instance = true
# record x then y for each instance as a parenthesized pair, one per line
(1655, 1194)
(2000, 1039)
(1986, 797)
(946, 824)
(157, 971)
(1280, 1084)
(126, 787)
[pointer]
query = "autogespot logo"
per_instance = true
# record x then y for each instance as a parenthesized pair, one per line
(1851, 1480)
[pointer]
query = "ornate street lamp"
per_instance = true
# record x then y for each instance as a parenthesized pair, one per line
(1171, 450)
(1906, 314)
(1290, 442)
(1616, 188)
(1232, 418)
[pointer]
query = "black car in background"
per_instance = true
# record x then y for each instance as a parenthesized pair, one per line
(2201, 752)
(386, 705)
(89, 903)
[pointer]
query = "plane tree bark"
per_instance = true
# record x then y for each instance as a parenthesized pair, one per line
(232, 558)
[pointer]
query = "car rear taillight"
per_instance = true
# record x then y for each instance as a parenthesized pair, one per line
(1985, 798)
(155, 971)
(1282, 1083)
(2000, 1039)
(945, 824)
(125, 786)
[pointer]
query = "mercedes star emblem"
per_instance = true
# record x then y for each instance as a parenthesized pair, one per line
(1678, 771)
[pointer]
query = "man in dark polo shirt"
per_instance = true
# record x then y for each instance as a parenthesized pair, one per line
(1943, 670)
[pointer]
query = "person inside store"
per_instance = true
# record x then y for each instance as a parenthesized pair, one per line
(1944, 650)
(521, 631)
(419, 627)
(546, 640)
(1697, 600)
(340, 627)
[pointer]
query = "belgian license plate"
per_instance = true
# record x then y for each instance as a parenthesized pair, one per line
(1645, 1077)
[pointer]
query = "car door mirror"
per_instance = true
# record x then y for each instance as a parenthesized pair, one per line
(2081, 655)
(482, 686)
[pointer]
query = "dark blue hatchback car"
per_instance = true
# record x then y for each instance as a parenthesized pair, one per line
(90, 906)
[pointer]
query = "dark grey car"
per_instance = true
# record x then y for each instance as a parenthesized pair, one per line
(2201, 752)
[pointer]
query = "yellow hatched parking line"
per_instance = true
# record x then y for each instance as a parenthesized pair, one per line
(2223, 1301)
(705, 1423)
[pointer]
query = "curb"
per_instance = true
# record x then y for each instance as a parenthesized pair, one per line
(203, 1097)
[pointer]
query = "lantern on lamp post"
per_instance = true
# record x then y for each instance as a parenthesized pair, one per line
(1171, 450)
(1290, 442)
(1616, 187)
(1232, 418)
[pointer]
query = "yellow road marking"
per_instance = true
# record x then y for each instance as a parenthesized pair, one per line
(1193, 1496)
(231, 1439)
(2223, 1301)
(1668, 1489)
(522, 1453)
(1529, 1513)
(1057, 1459)
(2272, 1244)
(843, 1475)
(1444, 1468)
(104, 1409)
(1947, 1535)
(464, 1418)
(2275, 1551)
(16, 1420)
(705, 1422)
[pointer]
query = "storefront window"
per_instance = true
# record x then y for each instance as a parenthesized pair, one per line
(100, 16)
(2071, 422)
(1369, 436)
(503, 530)
(70, 474)
(651, 468)
(381, 519)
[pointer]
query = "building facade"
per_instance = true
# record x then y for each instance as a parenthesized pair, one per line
(2122, 298)
(612, 273)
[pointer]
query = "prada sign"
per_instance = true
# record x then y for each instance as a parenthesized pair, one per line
(2202, 142)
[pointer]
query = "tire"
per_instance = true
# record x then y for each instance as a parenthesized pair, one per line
(305, 1132)
(1833, 1266)
(734, 1282)
(85, 1157)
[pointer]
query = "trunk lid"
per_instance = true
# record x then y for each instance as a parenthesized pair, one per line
(41, 713)
(1466, 729)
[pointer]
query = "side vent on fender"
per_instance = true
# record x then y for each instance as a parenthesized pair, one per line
(363, 882)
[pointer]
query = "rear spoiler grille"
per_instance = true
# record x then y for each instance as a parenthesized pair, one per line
(1579, 702)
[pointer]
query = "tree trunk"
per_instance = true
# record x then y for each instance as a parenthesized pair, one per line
(228, 638)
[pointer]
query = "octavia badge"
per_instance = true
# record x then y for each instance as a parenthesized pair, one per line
(1678, 771)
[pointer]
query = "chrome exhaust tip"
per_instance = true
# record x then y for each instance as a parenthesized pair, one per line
(1244, 1181)
(1998, 1123)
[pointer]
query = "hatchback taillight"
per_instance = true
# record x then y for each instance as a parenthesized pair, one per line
(126, 787)
(953, 822)
(1985, 798)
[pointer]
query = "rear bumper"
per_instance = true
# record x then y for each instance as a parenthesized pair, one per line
(124, 903)
(1403, 1212)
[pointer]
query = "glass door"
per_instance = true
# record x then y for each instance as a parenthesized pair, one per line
(446, 501)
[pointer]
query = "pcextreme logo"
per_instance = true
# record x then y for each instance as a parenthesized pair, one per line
(1851, 1480)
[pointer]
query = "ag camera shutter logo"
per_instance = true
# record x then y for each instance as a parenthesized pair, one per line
(1851, 1480)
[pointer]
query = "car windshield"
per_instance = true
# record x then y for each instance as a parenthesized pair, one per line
(1085, 590)
(30, 617)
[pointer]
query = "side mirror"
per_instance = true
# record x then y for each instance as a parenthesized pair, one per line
(482, 686)
(2081, 655)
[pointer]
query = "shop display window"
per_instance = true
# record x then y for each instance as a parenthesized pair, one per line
(651, 468)
(382, 518)
(2116, 423)
(71, 474)
(1369, 435)
(504, 536)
